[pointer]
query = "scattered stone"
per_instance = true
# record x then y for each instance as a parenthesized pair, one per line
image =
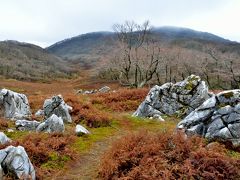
(57, 106)
(179, 99)
(15, 105)
(90, 91)
(104, 89)
(80, 130)
(157, 117)
(25, 125)
(217, 118)
(15, 160)
(4, 139)
(10, 130)
(80, 91)
(212, 145)
(51, 125)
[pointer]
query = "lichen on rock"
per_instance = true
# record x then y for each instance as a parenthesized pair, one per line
(174, 99)
(218, 118)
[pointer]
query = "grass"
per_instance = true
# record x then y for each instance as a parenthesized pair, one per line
(84, 143)
(17, 135)
(152, 125)
(55, 161)
(234, 154)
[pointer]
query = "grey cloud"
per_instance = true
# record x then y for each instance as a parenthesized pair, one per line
(48, 21)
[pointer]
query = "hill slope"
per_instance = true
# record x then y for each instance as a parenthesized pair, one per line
(92, 49)
(86, 49)
(25, 61)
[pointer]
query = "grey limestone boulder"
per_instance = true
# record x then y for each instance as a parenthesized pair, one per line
(25, 125)
(218, 118)
(14, 105)
(15, 160)
(57, 106)
(169, 99)
(51, 125)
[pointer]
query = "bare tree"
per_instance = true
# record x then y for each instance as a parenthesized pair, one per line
(235, 83)
(138, 56)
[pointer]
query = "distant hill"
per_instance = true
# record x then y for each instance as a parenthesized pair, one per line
(25, 61)
(170, 33)
(86, 49)
(91, 49)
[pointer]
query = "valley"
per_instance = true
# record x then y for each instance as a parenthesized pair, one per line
(133, 127)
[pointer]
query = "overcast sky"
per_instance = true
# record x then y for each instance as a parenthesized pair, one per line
(44, 22)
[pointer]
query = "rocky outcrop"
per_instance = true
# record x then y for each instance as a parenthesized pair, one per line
(4, 139)
(180, 98)
(57, 106)
(25, 125)
(51, 125)
(14, 105)
(218, 118)
(80, 130)
(15, 160)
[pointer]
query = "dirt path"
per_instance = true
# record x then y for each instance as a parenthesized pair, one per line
(86, 168)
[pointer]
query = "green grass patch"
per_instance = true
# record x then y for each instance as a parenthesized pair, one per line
(55, 161)
(17, 135)
(84, 143)
(153, 125)
(233, 154)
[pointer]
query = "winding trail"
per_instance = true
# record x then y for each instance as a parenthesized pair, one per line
(87, 165)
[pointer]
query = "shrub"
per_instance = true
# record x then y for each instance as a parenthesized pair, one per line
(3, 124)
(167, 156)
(46, 149)
(122, 100)
(87, 113)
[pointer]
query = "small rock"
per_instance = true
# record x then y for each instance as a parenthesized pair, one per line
(158, 117)
(212, 145)
(10, 130)
(104, 89)
(80, 130)
(80, 91)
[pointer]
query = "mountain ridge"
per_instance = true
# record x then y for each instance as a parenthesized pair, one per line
(91, 49)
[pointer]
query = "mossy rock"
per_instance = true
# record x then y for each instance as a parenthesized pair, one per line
(228, 95)
(190, 85)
